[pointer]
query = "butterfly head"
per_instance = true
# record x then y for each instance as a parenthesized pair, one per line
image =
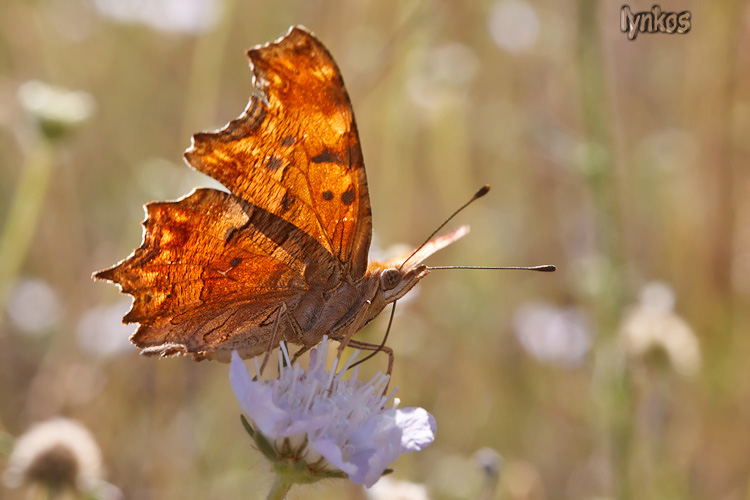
(395, 282)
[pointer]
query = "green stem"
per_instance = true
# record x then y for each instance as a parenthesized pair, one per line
(281, 486)
(24, 213)
(52, 493)
(607, 183)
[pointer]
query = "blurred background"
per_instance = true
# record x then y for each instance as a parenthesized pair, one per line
(623, 375)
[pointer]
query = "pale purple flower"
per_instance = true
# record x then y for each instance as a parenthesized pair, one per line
(330, 423)
(551, 334)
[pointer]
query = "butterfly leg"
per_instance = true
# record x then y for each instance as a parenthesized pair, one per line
(366, 346)
(271, 343)
(296, 328)
(283, 310)
(353, 327)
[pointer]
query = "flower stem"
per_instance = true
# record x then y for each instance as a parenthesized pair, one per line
(24, 213)
(281, 486)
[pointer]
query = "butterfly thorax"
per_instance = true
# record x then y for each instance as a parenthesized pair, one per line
(350, 306)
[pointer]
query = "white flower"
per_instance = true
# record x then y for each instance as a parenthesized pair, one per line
(441, 77)
(514, 25)
(33, 306)
(101, 333)
(58, 453)
(653, 325)
(181, 16)
(56, 110)
(318, 418)
(393, 489)
(552, 334)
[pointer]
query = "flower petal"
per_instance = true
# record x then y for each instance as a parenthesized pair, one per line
(330, 451)
(418, 428)
(387, 446)
(255, 398)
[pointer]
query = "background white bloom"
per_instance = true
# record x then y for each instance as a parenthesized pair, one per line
(100, 332)
(184, 16)
(327, 422)
(33, 306)
(394, 489)
(514, 26)
(551, 334)
(56, 110)
(653, 325)
(58, 453)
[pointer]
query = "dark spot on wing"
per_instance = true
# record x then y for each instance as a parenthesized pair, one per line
(273, 163)
(287, 201)
(288, 140)
(348, 196)
(327, 156)
(235, 262)
(327, 195)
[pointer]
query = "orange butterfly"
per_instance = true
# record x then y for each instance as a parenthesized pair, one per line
(284, 254)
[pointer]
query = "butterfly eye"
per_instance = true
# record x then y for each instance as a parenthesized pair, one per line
(390, 278)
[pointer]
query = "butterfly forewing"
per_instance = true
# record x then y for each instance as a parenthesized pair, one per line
(295, 151)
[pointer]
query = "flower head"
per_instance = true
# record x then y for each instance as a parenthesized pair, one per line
(317, 419)
(654, 327)
(33, 306)
(175, 16)
(394, 489)
(58, 454)
(551, 334)
(56, 111)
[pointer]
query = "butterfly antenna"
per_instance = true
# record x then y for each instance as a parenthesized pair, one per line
(483, 191)
(385, 338)
(544, 269)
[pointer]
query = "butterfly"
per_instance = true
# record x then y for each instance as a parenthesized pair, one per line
(283, 255)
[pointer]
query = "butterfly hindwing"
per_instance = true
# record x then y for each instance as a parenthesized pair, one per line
(211, 256)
